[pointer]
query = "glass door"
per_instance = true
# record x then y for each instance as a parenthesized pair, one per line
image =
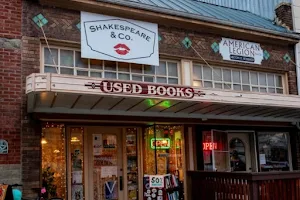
(215, 151)
(105, 163)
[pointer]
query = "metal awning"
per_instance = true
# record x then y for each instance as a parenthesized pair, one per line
(64, 94)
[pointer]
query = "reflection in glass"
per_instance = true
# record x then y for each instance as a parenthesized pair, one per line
(66, 58)
(50, 57)
(237, 155)
(161, 69)
(273, 151)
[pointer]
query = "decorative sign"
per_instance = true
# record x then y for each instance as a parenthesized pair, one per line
(111, 190)
(241, 51)
(132, 88)
(97, 144)
(109, 171)
(209, 146)
(3, 147)
(118, 39)
(160, 143)
(156, 181)
(262, 159)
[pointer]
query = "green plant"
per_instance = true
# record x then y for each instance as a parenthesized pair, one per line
(48, 183)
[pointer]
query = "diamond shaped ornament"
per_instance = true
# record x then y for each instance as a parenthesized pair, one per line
(266, 55)
(40, 20)
(287, 58)
(78, 26)
(187, 42)
(215, 47)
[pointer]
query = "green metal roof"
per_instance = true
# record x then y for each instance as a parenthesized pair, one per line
(206, 12)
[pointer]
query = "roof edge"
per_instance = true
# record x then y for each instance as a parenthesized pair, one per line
(198, 17)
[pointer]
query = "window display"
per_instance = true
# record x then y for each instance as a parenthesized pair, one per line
(273, 151)
(76, 155)
(163, 155)
(54, 160)
(132, 163)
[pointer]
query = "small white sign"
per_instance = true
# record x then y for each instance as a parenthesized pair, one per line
(108, 171)
(262, 159)
(97, 144)
(118, 39)
(156, 181)
(241, 51)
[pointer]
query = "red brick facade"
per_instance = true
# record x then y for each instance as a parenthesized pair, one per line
(21, 57)
(10, 78)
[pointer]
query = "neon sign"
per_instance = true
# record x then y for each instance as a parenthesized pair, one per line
(209, 146)
(161, 143)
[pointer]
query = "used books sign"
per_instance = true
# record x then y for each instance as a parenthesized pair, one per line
(241, 51)
(112, 38)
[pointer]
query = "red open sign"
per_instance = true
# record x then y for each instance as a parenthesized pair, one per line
(209, 146)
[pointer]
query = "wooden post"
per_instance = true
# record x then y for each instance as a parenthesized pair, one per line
(254, 190)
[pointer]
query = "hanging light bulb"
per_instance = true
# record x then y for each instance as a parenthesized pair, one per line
(43, 141)
(74, 139)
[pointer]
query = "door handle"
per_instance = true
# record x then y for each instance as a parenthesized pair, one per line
(121, 182)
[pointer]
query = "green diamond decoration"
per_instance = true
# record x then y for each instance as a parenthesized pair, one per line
(187, 42)
(78, 26)
(287, 58)
(266, 55)
(215, 47)
(159, 38)
(40, 20)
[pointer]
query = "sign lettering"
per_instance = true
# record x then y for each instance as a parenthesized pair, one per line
(209, 146)
(118, 39)
(241, 51)
(116, 87)
(156, 181)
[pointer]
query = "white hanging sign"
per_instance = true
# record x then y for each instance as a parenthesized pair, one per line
(156, 181)
(241, 51)
(118, 39)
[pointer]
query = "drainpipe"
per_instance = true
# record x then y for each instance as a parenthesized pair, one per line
(297, 57)
(297, 46)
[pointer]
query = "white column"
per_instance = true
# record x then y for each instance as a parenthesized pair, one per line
(186, 72)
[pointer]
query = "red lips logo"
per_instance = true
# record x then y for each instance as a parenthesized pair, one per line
(122, 49)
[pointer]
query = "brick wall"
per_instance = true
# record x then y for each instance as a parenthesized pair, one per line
(284, 16)
(31, 130)
(10, 88)
(62, 26)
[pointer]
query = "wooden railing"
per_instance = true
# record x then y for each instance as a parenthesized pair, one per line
(243, 186)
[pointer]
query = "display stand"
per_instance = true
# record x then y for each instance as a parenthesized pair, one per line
(169, 191)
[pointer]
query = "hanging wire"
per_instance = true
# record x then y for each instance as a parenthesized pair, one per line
(49, 49)
(213, 70)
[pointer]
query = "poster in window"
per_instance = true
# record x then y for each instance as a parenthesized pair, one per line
(97, 144)
(77, 192)
(111, 190)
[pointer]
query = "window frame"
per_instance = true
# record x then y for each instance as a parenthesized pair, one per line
(290, 158)
(232, 83)
(103, 70)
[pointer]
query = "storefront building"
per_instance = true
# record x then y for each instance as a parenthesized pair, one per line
(121, 100)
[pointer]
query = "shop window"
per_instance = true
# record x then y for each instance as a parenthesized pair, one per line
(237, 155)
(67, 61)
(132, 163)
(163, 155)
(54, 160)
(234, 79)
(215, 151)
(76, 145)
(273, 152)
